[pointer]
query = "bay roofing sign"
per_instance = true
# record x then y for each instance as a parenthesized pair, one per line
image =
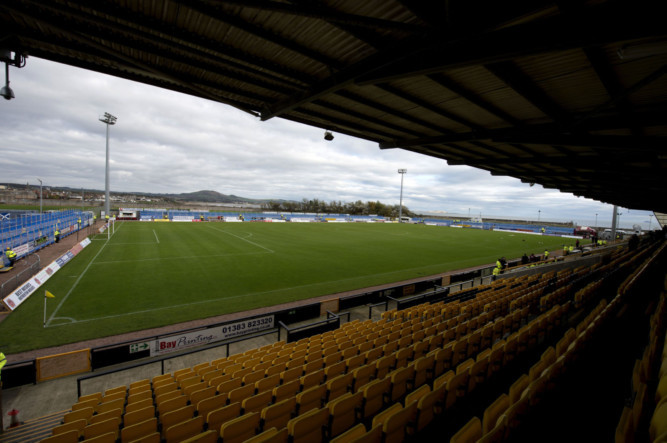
(179, 342)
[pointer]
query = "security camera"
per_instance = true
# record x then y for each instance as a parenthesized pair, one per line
(328, 136)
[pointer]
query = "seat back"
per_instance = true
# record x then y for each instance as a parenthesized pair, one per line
(138, 430)
(217, 417)
(311, 398)
(257, 402)
(71, 436)
(308, 427)
(240, 429)
(396, 425)
(285, 391)
(399, 382)
(210, 436)
(184, 430)
(471, 431)
(103, 427)
(343, 412)
(209, 404)
(278, 414)
(493, 412)
(176, 416)
(83, 413)
(374, 396)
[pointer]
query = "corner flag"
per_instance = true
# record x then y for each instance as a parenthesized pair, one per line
(47, 294)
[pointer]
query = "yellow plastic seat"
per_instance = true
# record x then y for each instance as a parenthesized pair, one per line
(426, 407)
(240, 429)
(362, 375)
(423, 369)
(312, 398)
(210, 436)
(399, 382)
(285, 391)
(175, 416)
(417, 394)
(396, 425)
(184, 430)
(352, 434)
(142, 404)
(82, 404)
(380, 418)
(494, 412)
(138, 430)
(103, 427)
(278, 414)
(141, 395)
(308, 427)
(105, 416)
(343, 412)
(374, 394)
(71, 436)
(470, 432)
(339, 385)
(217, 417)
(257, 402)
(241, 393)
(76, 425)
(79, 414)
(310, 380)
(210, 404)
(172, 404)
(271, 435)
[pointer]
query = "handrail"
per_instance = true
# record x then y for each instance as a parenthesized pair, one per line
(370, 307)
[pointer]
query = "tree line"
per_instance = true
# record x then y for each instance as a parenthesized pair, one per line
(337, 207)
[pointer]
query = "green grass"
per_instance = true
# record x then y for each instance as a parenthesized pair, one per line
(155, 274)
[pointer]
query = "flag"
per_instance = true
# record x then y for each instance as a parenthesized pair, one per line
(49, 295)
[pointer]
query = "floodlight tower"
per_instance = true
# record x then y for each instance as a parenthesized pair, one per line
(109, 120)
(400, 204)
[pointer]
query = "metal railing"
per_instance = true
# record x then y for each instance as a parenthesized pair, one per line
(161, 360)
(14, 282)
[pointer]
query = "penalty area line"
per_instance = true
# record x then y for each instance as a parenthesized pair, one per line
(76, 283)
(244, 239)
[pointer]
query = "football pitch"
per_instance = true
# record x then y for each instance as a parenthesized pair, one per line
(154, 274)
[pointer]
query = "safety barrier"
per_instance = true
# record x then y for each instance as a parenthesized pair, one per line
(21, 277)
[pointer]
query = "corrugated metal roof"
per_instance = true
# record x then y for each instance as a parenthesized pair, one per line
(527, 89)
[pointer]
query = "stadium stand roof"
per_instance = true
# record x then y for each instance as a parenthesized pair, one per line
(571, 94)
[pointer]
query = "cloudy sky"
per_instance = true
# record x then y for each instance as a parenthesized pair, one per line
(168, 142)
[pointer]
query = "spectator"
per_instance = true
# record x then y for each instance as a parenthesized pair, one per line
(524, 259)
(11, 255)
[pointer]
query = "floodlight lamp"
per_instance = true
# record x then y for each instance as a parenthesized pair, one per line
(108, 119)
(328, 136)
(6, 91)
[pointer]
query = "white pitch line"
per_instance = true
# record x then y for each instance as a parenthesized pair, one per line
(223, 299)
(75, 285)
(232, 254)
(158, 240)
(245, 240)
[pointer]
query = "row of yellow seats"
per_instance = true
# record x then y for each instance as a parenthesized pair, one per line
(503, 418)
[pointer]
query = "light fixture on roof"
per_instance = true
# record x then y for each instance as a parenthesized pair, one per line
(17, 60)
(6, 91)
(328, 136)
